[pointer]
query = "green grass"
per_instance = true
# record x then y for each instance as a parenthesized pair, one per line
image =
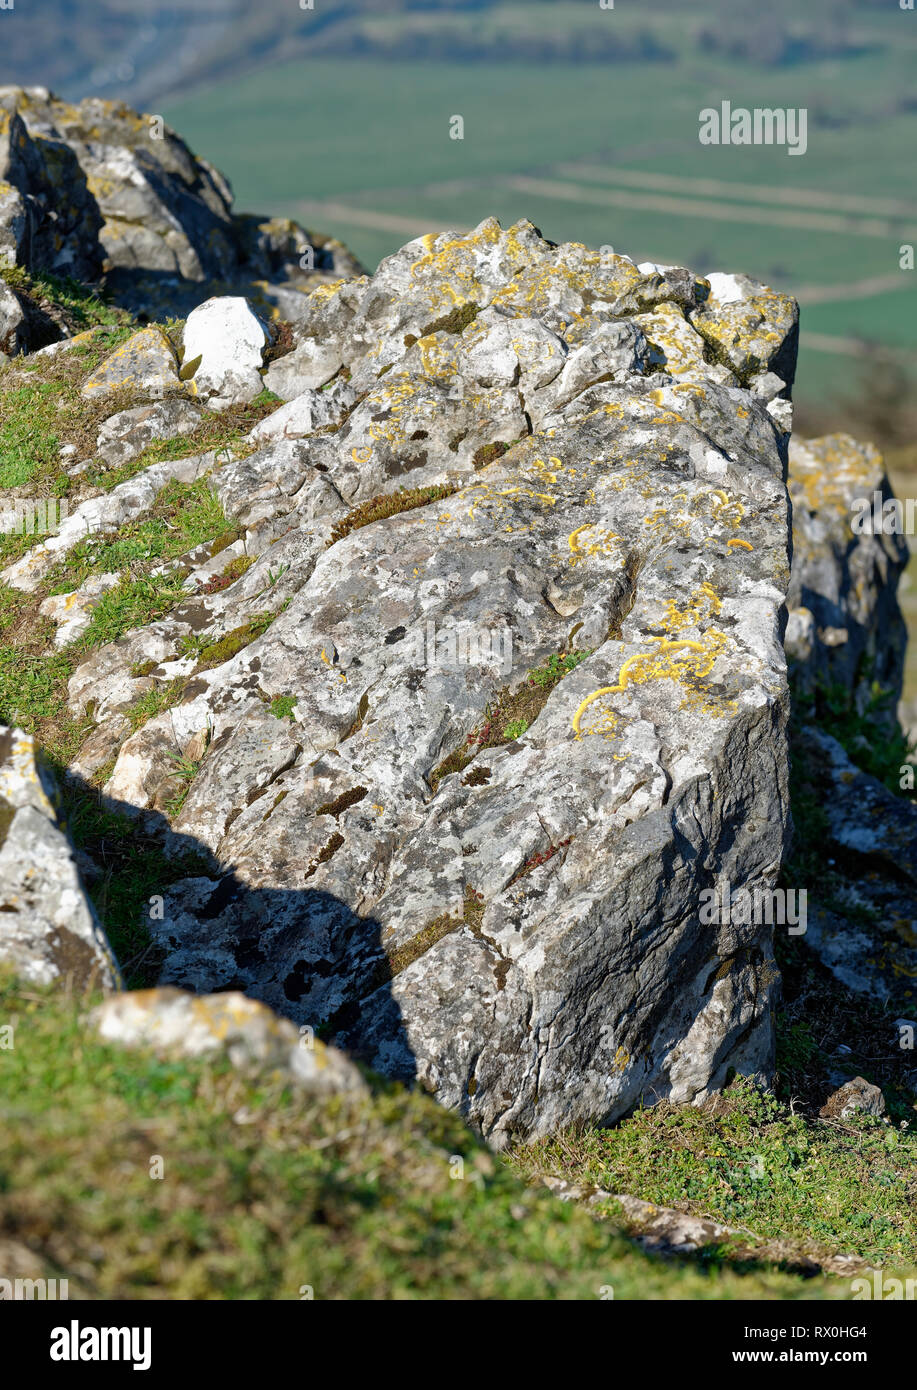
(153, 702)
(507, 119)
(27, 438)
(32, 682)
(82, 306)
(185, 771)
(40, 414)
(747, 1160)
(282, 706)
(33, 676)
(131, 604)
(133, 868)
(183, 516)
(351, 1198)
(871, 737)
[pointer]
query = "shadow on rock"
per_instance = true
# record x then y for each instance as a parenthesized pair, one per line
(178, 916)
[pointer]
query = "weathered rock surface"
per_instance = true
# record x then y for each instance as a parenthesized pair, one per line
(750, 326)
(48, 928)
(145, 363)
(845, 626)
(857, 1097)
(226, 340)
(73, 612)
(98, 191)
(845, 641)
(310, 365)
(125, 435)
(521, 933)
(867, 934)
(12, 323)
(248, 1033)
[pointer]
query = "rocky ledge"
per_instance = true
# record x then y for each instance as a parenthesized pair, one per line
(476, 686)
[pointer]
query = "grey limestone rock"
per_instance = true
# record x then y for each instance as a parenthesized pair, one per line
(49, 931)
(504, 908)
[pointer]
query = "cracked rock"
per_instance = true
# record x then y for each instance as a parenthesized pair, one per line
(49, 931)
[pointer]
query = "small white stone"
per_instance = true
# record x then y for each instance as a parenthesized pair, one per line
(229, 338)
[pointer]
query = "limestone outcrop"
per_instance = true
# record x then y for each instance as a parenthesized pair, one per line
(104, 194)
(49, 931)
(472, 681)
(501, 689)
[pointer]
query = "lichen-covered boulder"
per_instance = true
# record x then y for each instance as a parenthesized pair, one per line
(499, 696)
(52, 220)
(248, 1033)
(845, 627)
(14, 224)
(49, 931)
(146, 364)
(95, 188)
(750, 327)
(12, 323)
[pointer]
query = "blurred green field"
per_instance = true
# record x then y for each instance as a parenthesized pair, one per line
(361, 149)
(610, 155)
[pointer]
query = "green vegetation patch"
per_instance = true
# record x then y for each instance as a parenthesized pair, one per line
(185, 770)
(389, 504)
(132, 603)
(456, 321)
(183, 516)
(33, 676)
(384, 1197)
(489, 453)
(511, 715)
(282, 706)
(213, 652)
(132, 868)
(155, 701)
(744, 1158)
(41, 409)
(871, 737)
(78, 306)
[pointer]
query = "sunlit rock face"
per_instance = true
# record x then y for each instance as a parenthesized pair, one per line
(502, 691)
